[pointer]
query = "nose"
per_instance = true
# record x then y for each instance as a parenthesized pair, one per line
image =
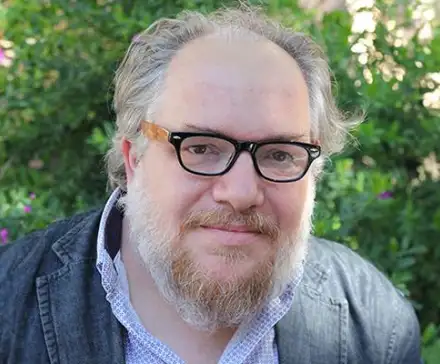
(240, 187)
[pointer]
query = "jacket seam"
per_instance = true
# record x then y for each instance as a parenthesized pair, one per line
(329, 301)
(46, 320)
(392, 341)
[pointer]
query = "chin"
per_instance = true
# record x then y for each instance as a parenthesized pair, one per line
(223, 269)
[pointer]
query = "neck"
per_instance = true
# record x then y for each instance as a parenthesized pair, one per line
(159, 317)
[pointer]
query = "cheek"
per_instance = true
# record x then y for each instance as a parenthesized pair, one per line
(288, 202)
(173, 190)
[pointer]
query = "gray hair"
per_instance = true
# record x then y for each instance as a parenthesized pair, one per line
(141, 74)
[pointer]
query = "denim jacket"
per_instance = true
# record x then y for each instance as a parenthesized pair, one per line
(53, 308)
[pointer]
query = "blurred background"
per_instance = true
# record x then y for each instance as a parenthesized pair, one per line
(381, 196)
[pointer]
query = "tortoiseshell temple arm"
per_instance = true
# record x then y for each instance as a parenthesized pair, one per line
(154, 132)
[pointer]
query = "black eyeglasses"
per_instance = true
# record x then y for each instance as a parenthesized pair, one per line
(208, 154)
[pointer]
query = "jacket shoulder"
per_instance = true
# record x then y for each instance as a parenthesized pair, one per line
(347, 272)
(380, 316)
(24, 255)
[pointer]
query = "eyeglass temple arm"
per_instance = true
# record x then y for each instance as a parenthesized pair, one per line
(153, 131)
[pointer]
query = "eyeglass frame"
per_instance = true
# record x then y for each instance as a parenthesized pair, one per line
(153, 131)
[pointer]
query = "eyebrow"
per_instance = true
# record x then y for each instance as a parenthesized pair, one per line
(280, 137)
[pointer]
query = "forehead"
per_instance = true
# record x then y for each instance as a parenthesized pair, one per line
(248, 90)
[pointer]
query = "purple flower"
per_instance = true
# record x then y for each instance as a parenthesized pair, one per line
(4, 235)
(32, 196)
(385, 195)
(27, 209)
(5, 60)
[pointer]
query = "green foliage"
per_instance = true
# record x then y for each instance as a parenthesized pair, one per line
(378, 197)
(397, 153)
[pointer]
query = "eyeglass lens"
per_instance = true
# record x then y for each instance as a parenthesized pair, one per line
(212, 155)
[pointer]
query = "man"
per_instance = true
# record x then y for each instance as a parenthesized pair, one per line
(203, 252)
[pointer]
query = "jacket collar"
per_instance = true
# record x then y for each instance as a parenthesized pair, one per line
(78, 244)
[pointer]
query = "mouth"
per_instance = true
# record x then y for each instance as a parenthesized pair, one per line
(232, 229)
(232, 235)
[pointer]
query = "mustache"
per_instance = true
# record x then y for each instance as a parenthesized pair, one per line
(255, 221)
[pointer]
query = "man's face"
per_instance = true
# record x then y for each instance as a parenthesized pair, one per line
(198, 235)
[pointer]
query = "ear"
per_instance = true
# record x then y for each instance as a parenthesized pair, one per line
(129, 158)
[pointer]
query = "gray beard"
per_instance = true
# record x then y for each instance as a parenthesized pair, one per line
(203, 303)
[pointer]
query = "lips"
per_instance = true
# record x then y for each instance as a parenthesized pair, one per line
(233, 229)
(230, 235)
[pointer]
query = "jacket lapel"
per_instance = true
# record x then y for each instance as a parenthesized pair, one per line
(315, 330)
(78, 323)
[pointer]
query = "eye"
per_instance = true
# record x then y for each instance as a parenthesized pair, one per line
(201, 149)
(281, 156)
(198, 149)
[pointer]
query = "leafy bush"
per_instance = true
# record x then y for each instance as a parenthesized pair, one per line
(56, 65)
(383, 193)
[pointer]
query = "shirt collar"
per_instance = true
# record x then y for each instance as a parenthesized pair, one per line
(110, 228)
